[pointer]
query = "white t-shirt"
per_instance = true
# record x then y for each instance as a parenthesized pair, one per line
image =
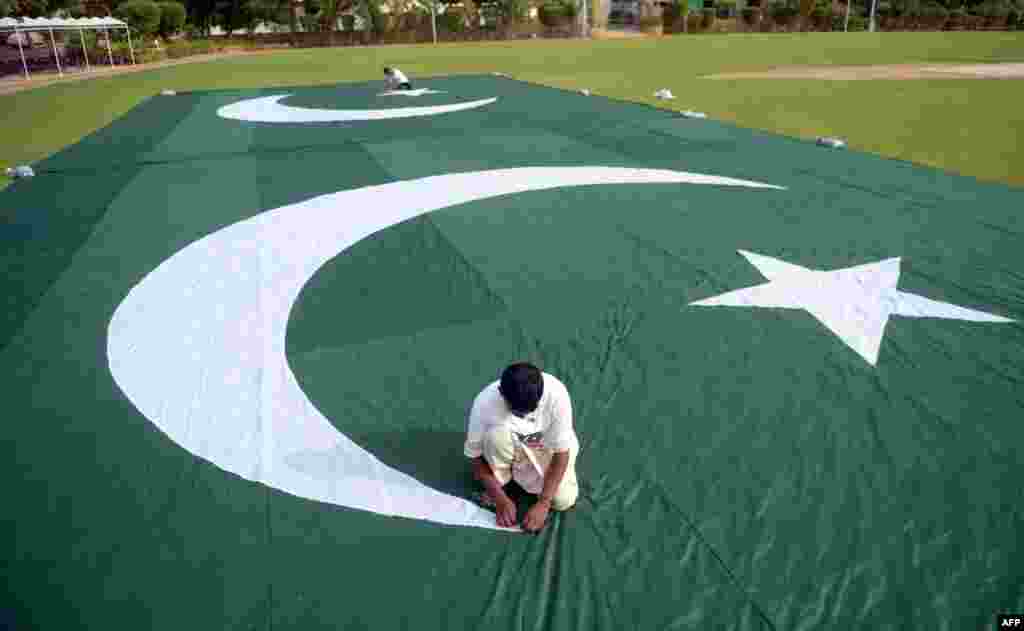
(396, 78)
(547, 430)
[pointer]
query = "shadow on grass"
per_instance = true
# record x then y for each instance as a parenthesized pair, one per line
(433, 457)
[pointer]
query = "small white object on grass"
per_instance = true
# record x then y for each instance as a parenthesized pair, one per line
(664, 93)
(585, 92)
(829, 141)
(167, 92)
(20, 171)
(500, 74)
(692, 114)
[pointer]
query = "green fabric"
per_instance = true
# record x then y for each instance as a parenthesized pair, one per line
(740, 468)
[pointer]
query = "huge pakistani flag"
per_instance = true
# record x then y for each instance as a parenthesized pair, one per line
(243, 329)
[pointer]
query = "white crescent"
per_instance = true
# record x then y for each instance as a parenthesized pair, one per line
(268, 109)
(198, 345)
(416, 92)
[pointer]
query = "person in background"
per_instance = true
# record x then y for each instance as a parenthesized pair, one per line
(396, 80)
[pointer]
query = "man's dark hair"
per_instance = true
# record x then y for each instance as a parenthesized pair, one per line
(522, 386)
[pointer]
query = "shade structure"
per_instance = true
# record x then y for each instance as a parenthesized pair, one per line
(38, 24)
(20, 26)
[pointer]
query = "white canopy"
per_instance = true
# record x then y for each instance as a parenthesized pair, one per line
(25, 26)
(40, 24)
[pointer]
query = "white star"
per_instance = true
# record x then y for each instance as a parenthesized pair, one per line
(854, 303)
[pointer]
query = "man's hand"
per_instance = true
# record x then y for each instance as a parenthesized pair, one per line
(506, 510)
(536, 516)
(503, 506)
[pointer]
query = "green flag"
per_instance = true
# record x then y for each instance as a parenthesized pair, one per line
(245, 328)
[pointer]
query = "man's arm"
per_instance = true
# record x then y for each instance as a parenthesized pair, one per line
(538, 513)
(505, 508)
(553, 476)
(482, 472)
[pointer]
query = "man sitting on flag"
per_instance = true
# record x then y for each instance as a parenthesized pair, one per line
(520, 428)
(396, 80)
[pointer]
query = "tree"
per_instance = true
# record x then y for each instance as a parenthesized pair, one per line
(806, 6)
(257, 11)
(201, 13)
(371, 14)
(331, 9)
(143, 16)
(37, 8)
(229, 15)
(172, 18)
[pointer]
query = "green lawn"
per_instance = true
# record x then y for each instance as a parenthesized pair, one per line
(966, 126)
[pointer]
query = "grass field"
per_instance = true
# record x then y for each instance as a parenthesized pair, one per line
(966, 126)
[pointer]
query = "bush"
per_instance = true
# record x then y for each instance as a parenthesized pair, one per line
(750, 15)
(821, 10)
(993, 10)
(172, 18)
(782, 12)
(726, 8)
(821, 17)
(858, 23)
(179, 49)
(149, 55)
(556, 13)
(75, 43)
(933, 11)
(511, 11)
(310, 23)
(650, 23)
(143, 16)
(452, 21)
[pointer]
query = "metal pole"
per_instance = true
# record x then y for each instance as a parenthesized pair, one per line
(846, 24)
(81, 34)
(871, 24)
(130, 51)
(110, 53)
(433, 19)
(21, 50)
(55, 55)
